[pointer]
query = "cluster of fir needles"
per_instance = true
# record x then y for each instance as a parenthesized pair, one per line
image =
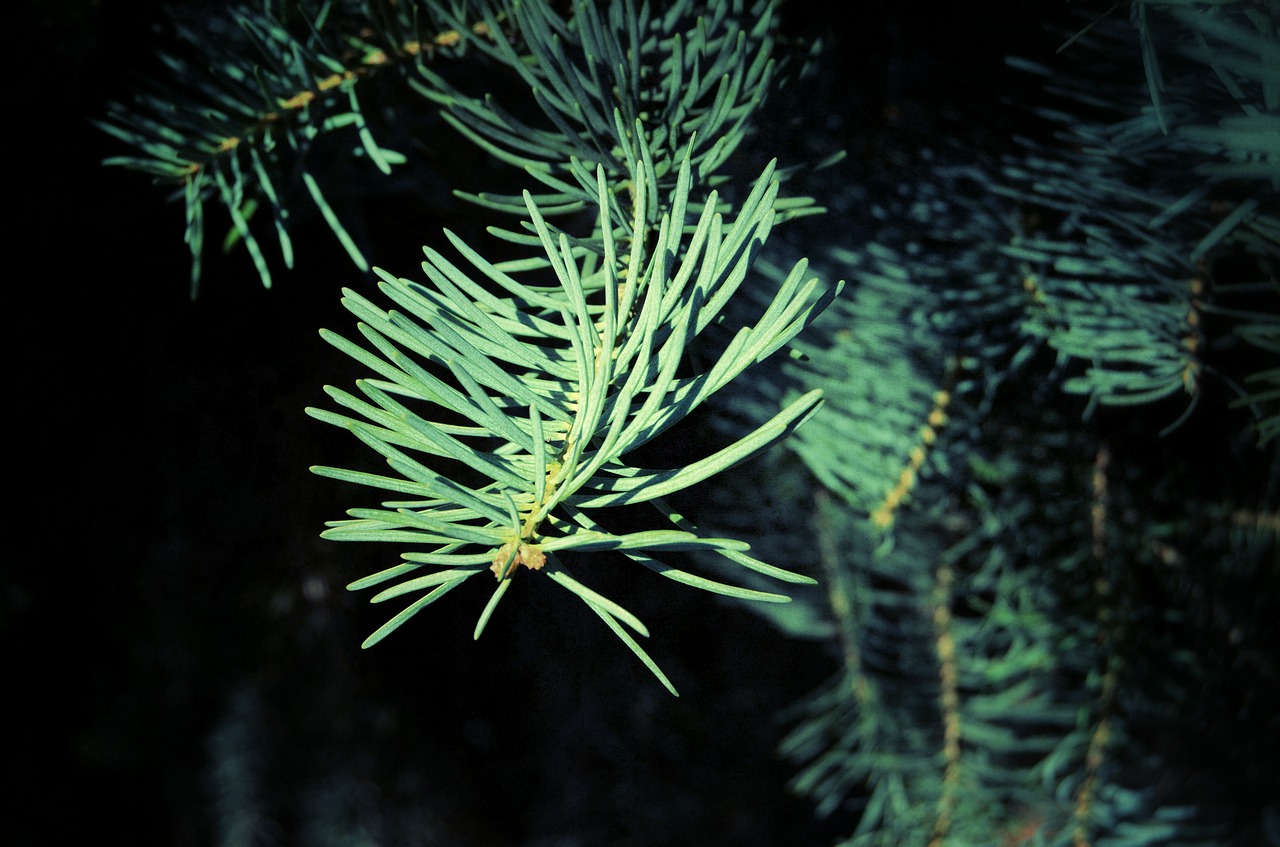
(371, 61)
(525, 550)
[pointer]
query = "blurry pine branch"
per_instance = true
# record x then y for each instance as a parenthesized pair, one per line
(1045, 608)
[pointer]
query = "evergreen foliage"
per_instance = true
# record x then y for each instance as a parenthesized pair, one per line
(1020, 476)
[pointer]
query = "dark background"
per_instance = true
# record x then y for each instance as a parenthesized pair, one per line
(182, 656)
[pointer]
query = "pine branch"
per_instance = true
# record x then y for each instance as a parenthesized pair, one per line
(624, 87)
(560, 364)
(505, 397)
(1139, 213)
(242, 120)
